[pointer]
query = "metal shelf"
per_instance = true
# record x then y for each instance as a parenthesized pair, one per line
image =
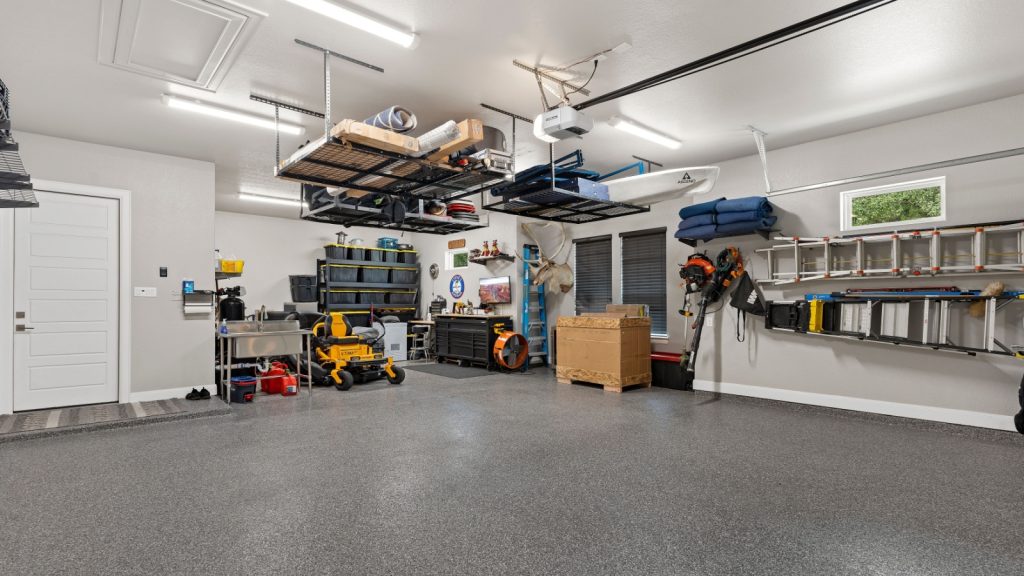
(335, 211)
(500, 257)
(371, 285)
(399, 265)
(331, 161)
(559, 205)
(766, 234)
(366, 307)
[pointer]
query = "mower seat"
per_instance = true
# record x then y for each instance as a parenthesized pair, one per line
(339, 333)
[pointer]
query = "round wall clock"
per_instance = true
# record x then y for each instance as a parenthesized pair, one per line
(433, 271)
(457, 286)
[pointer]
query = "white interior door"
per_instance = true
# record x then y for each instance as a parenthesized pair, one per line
(66, 302)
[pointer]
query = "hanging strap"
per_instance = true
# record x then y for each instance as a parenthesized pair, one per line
(741, 325)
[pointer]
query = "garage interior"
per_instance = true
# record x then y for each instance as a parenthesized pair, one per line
(352, 287)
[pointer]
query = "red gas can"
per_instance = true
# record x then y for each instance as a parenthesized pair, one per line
(290, 385)
(272, 381)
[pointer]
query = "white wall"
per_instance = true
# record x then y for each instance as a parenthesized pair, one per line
(172, 225)
(977, 193)
(274, 248)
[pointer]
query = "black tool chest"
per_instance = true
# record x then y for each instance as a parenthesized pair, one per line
(469, 339)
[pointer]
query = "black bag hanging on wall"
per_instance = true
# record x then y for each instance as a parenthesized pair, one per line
(746, 299)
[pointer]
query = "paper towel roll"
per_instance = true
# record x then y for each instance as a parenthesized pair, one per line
(396, 119)
(438, 137)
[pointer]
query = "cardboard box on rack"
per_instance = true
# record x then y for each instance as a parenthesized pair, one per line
(379, 138)
(471, 131)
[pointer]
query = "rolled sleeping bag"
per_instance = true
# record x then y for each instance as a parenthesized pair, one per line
(745, 204)
(698, 233)
(731, 217)
(396, 119)
(698, 220)
(698, 209)
(438, 137)
(746, 227)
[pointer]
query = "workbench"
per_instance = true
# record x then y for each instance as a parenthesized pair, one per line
(469, 338)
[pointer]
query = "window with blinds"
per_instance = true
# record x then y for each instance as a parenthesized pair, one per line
(643, 274)
(593, 273)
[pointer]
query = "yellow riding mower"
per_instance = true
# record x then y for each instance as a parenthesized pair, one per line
(349, 357)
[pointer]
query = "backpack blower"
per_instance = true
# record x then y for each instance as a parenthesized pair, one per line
(711, 280)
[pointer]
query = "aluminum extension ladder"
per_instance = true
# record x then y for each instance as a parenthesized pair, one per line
(848, 258)
(535, 315)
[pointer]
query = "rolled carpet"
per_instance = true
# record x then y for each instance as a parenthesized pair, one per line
(698, 220)
(743, 204)
(396, 119)
(698, 209)
(699, 233)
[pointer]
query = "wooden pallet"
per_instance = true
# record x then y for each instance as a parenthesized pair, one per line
(609, 382)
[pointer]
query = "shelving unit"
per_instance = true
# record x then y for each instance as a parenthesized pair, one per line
(335, 211)
(559, 205)
(484, 260)
(359, 312)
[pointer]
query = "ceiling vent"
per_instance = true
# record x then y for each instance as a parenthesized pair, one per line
(189, 42)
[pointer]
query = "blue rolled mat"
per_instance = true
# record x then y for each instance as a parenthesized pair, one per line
(698, 209)
(698, 220)
(748, 216)
(746, 227)
(698, 233)
(743, 204)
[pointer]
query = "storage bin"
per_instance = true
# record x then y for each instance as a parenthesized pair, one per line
(355, 253)
(302, 293)
(302, 280)
(390, 256)
(387, 242)
(374, 255)
(408, 256)
(375, 275)
(232, 266)
(401, 297)
(336, 251)
(243, 388)
(341, 297)
(342, 273)
(367, 297)
(403, 276)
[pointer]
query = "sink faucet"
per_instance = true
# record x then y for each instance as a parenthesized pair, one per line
(260, 317)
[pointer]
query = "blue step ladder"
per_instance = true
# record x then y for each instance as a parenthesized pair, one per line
(535, 314)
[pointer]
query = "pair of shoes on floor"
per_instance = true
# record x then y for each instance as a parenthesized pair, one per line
(201, 394)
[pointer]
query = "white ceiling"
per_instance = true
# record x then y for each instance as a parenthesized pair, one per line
(907, 59)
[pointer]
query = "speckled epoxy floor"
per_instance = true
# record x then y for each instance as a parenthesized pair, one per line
(514, 475)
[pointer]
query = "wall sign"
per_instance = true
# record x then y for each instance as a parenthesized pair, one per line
(454, 244)
(457, 286)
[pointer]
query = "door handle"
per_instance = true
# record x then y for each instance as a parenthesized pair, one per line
(22, 328)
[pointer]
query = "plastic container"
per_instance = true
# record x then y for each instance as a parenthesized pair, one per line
(289, 385)
(232, 266)
(408, 256)
(272, 380)
(375, 275)
(356, 253)
(336, 251)
(304, 293)
(243, 389)
(391, 256)
(341, 297)
(374, 255)
(387, 242)
(367, 297)
(342, 273)
(401, 297)
(403, 276)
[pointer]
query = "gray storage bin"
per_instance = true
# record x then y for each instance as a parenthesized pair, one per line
(357, 253)
(401, 297)
(408, 257)
(374, 255)
(341, 297)
(372, 297)
(403, 276)
(390, 256)
(336, 251)
(303, 293)
(375, 275)
(342, 273)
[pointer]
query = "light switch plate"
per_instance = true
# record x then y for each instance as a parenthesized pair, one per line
(145, 291)
(709, 321)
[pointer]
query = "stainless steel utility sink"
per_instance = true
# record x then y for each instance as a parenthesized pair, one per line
(250, 339)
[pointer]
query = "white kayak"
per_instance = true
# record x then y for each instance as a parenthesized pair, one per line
(646, 189)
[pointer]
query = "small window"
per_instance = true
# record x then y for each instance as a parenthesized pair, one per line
(593, 266)
(901, 204)
(644, 276)
(456, 259)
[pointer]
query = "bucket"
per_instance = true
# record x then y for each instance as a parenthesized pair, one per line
(243, 388)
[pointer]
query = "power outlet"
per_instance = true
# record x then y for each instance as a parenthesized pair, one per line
(145, 291)
(709, 321)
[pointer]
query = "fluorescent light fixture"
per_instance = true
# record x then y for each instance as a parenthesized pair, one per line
(208, 109)
(646, 133)
(538, 130)
(403, 38)
(271, 199)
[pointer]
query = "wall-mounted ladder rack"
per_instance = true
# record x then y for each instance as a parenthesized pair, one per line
(968, 250)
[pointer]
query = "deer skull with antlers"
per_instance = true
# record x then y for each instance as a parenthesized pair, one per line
(546, 270)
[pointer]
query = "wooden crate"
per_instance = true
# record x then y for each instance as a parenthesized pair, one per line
(612, 352)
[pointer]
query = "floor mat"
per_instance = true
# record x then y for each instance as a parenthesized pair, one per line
(86, 415)
(449, 370)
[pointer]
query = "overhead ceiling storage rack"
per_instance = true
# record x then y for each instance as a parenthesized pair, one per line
(15, 182)
(332, 161)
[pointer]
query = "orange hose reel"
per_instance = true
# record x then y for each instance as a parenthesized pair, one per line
(511, 350)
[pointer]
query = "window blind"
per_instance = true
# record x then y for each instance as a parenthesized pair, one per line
(643, 274)
(593, 273)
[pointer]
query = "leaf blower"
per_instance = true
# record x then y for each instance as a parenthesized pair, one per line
(711, 280)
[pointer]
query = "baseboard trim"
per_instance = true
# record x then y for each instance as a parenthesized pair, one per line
(931, 413)
(167, 393)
